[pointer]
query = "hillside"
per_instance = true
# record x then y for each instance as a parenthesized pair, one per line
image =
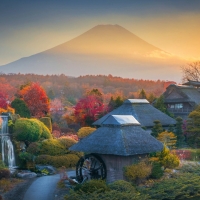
(72, 88)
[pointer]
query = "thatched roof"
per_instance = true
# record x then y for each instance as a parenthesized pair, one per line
(143, 112)
(186, 93)
(119, 139)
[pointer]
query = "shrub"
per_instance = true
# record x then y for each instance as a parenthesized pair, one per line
(85, 131)
(52, 147)
(157, 171)
(92, 185)
(184, 186)
(34, 148)
(30, 130)
(4, 173)
(138, 171)
(26, 156)
(47, 122)
(67, 142)
(69, 160)
(107, 195)
(122, 186)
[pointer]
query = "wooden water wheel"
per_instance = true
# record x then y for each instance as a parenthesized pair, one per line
(90, 166)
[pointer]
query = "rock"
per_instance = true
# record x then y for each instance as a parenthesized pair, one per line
(51, 170)
(26, 174)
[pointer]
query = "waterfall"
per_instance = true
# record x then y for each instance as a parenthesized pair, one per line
(8, 155)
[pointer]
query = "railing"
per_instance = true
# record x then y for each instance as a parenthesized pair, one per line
(179, 110)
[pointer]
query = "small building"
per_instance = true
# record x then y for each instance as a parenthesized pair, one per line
(120, 141)
(182, 99)
(142, 111)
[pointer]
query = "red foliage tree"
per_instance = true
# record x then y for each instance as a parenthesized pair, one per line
(36, 99)
(89, 109)
(3, 100)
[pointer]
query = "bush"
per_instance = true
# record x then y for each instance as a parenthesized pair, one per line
(137, 172)
(47, 122)
(34, 148)
(4, 173)
(107, 195)
(67, 142)
(122, 186)
(91, 186)
(26, 156)
(85, 131)
(184, 186)
(30, 130)
(52, 147)
(69, 160)
(157, 171)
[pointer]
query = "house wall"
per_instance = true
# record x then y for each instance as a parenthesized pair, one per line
(115, 165)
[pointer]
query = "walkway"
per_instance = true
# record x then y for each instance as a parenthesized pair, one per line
(43, 188)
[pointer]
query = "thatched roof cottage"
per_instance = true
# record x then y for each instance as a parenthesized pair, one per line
(142, 111)
(119, 142)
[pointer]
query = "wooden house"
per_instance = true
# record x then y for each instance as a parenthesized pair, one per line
(182, 99)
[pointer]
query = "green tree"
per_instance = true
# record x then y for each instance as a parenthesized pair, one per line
(21, 108)
(193, 128)
(157, 128)
(115, 103)
(179, 131)
(151, 98)
(142, 94)
(159, 104)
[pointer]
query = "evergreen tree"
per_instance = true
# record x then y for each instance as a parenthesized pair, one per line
(157, 128)
(115, 103)
(179, 131)
(142, 94)
(151, 98)
(21, 108)
(159, 104)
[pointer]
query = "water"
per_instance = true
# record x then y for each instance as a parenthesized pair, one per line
(8, 155)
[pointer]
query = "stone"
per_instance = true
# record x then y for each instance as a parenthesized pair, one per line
(26, 174)
(49, 168)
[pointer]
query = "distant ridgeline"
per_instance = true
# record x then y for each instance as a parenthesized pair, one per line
(57, 86)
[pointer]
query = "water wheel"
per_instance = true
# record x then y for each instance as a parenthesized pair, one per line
(90, 166)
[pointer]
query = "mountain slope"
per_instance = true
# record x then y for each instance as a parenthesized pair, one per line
(104, 49)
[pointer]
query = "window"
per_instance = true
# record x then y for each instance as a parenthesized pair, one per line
(178, 105)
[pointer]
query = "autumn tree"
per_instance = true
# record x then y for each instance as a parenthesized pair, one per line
(3, 100)
(168, 138)
(191, 71)
(36, 99)
(88, 110)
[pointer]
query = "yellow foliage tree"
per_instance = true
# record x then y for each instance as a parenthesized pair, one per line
(168, 138)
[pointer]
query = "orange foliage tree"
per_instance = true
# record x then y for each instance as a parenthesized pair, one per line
(36, 99)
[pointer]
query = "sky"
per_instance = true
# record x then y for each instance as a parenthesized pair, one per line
(29, 27)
